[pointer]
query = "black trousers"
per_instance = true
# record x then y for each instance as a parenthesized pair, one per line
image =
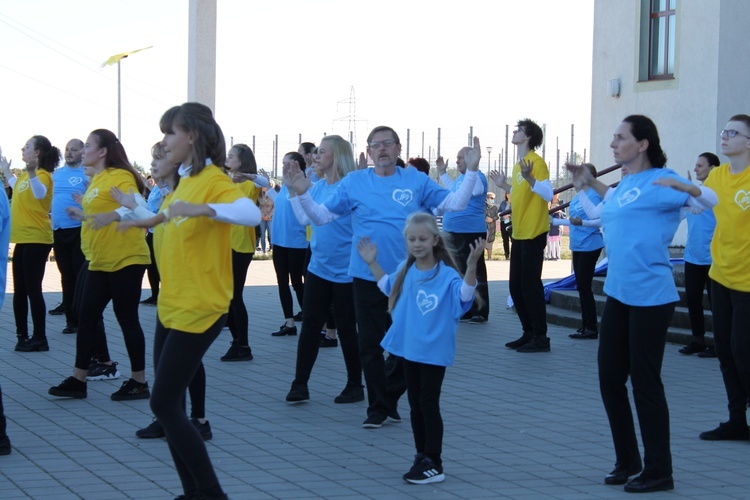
(320, 294)
(237, 319)
(423, 384)
(584, 264)
(731, 315)
(123, 288)
(506, 232)
(289, 263)
(632, 344)
(3, 423)
(460, 243)
(69, 259)
(525, 284)
(101, 349)
(177, 358)
(384, 386)
(697, 280)
(29, 263)
(152, 271)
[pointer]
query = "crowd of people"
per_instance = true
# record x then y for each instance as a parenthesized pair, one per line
(371, 268)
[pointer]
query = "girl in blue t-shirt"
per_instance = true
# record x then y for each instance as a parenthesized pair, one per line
(427, 297)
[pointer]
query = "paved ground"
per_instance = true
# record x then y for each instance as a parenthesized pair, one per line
(516, 425)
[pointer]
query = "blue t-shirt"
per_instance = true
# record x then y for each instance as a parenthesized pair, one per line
(700, 233)
(4, 241)
(639, 222)
(584, 239)
(66, 182)
(379, 208)
(425, 318)
(331, 244)
(153, 203)
(286, 231)
(470, 219)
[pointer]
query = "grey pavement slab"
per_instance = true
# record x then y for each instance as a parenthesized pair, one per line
(520, 426)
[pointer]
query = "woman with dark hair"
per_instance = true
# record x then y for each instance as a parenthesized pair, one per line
(698, 263)
(242, 168)
(641, 296)
(289, 240)
(117, 261)
(31, 231)
(195, 262)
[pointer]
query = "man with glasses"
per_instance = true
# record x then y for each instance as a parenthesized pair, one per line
(380, 199)
(531, 191)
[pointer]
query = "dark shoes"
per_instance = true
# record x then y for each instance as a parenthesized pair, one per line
(154, 430)
(298, 394)
(298, 316)
(326, 341)
(57, 311)
(523, 340)
(350, 394)
(536, 344)
(71, 387)
(477, 320)
(5, 447)
(425, 472)
(34, 344)
(374, 422)
(693, 347)
(710, 352)
(285, 330)
(70, 329)
(238, 353)
(620, 475)
(583, 333)
(151, 301)
(131, 390)
(394, 417)
(727, 431)
(646, 484)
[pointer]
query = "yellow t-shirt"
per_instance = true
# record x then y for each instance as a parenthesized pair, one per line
(243, 237)
(530, 211)
(730, 245)
(107, 248)
(30, 222)
(195, 256)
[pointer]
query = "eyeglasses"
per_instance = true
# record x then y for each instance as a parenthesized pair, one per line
(726, 134)
(382, 144)
(519, 129)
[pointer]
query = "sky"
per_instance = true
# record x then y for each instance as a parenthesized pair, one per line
(289, 68)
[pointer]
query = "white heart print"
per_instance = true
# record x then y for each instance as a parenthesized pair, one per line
(426, 303)
(74, 181)
(402, 196)
(629, 196)
(742, 198)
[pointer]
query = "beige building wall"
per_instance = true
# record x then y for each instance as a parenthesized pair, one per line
(202, 52)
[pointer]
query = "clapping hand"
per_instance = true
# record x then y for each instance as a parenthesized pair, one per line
(526, 168)
(125, 199)
(473, 155)
(498, 178)
(441, 165)
(476, 251)
(581, 175)
(295, 178)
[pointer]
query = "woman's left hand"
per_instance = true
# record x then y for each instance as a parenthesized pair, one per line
(476, 251)
(98, 221)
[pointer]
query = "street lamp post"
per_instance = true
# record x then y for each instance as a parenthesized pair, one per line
(116, 59)
(489, 161)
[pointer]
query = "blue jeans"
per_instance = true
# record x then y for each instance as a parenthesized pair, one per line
(264, 228)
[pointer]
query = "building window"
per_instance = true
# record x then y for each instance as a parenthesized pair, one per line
(661, 42)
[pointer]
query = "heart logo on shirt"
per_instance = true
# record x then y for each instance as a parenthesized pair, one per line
(403, 196)
(629, 196)
(74, 181)
(519, 178)
(22, 186)
(91, 195)
(742, 198)
(426, 303)
(179, 220)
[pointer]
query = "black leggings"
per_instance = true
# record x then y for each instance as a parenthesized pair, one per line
(69, 259)
(584, 265)
(29, 262)
(152, 271)
(423, 385)
(289, 264)
(632, 344)
(321, 294)
(237, 318)
(123, 288)
(101, 350)
(177, 359)
(697, 280)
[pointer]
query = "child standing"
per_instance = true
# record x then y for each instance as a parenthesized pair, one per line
(424, 328)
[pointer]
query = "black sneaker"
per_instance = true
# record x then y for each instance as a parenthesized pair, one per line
(103, 371)
(238, 353)
(285, 330)
(71, 387)
(151, 301)
(583, 333)
(694, 347)
(298, 316)
(417, 460)
(394, 417)
(351, 394)
(521, 341)
(710, 352)
(203, 428)
(20, 341)
(477, 320)
(70, 329)
(373, 422)
(5, 447)
(326, 341)
(34, 344)
(131, 390)
(298, 394)
(425, 472)
(59, 310)
(536, 344)
(727, 431)
(153, 430)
